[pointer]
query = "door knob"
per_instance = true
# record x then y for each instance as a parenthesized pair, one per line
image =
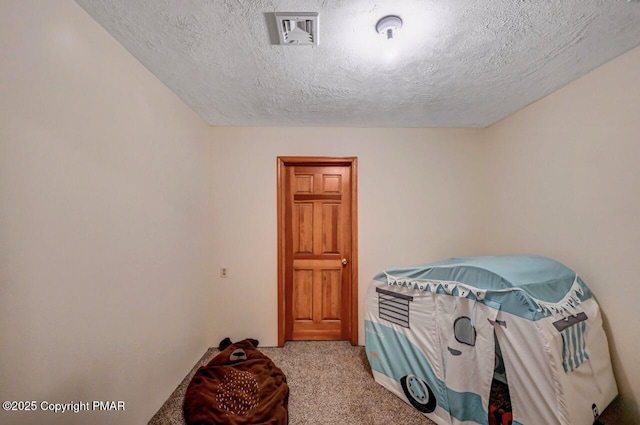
(344, 261)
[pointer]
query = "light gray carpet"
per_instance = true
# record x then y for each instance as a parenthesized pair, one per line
(329, 383)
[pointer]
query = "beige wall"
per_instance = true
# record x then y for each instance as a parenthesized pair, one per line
(564, 181)
(104, 221)
(416, 195)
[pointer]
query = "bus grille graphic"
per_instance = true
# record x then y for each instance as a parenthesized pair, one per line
(394, 307)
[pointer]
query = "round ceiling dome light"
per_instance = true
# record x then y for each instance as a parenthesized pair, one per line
(389, 26)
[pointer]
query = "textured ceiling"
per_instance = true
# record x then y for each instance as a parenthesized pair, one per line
(456, 63)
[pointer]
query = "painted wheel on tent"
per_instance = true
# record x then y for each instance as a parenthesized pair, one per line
(418, 393)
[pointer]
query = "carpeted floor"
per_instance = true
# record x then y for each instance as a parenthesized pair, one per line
(330, 383)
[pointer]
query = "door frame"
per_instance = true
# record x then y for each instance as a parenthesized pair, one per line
(287, 161)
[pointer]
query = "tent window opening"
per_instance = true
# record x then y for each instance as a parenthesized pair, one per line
(464, 331)
(394, 307)
(574, 352)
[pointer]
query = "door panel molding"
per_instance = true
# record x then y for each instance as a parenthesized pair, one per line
(286, 257)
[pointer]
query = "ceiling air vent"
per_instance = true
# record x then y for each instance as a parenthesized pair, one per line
(297, 29)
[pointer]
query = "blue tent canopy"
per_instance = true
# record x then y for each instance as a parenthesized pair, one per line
(529, 286)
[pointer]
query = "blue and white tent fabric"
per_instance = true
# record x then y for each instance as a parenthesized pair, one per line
(435, 332)
(574, 350)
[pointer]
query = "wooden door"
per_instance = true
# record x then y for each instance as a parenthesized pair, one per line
(318, 296)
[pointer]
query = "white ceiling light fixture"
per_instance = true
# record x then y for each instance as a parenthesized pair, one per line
(297, 29)
(389, 26)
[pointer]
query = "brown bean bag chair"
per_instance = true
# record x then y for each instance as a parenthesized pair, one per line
(240, 386)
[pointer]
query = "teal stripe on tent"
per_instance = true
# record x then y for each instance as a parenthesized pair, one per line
(583, 350)
(575, 347)
(564, 350)
(399, 357)
(574, 351)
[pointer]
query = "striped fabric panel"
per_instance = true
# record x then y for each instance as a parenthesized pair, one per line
(394, 309)
(574, 351)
